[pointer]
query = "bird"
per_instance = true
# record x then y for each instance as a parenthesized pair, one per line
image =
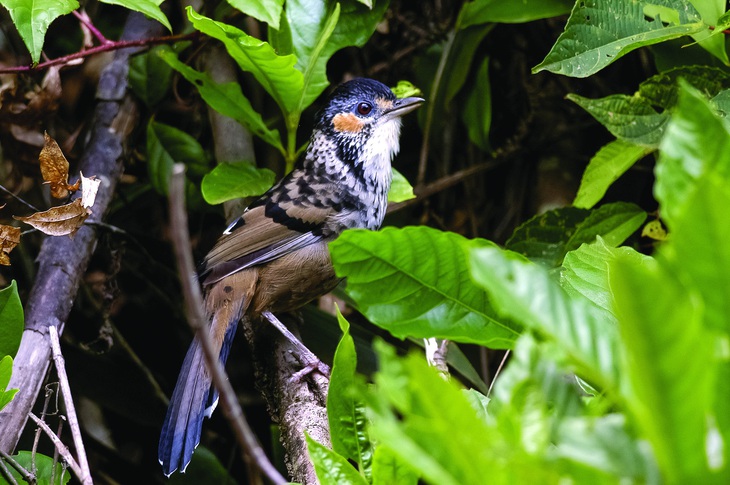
(274, 257)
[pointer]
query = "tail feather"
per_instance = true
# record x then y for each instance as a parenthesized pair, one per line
(193, 399)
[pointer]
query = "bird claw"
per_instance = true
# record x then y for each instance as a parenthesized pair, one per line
(309, 368)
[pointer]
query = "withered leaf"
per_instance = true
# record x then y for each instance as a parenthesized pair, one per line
(89, 188)
(54, 168)
(58, 221)
(9, 238)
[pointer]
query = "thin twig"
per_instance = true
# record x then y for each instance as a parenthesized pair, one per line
(84, 19)
(111, 46)
(37, 437)
(19, 199)
(27, 476)
(5, 473)
(73, 421)
(196, 319)
(444, 183)
(62, 449)
(496, 374)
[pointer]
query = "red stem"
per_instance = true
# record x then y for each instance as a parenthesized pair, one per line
(108, 46)
(84, 19)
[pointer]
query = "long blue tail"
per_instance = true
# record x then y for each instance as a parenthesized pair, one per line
(192, 399)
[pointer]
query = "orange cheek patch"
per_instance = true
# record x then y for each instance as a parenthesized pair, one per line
(347, 122)
(384, 104)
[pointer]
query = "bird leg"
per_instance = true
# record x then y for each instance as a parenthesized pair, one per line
(305, 356)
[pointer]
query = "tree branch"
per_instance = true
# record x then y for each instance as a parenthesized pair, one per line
(62, 261)
(73, 421)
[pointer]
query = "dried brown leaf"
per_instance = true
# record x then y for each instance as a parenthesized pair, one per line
(54, 168)
(9, 238)
(58, 221)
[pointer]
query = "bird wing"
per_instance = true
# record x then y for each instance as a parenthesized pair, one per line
(263, 233)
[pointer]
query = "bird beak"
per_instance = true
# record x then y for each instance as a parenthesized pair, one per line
(403, 106)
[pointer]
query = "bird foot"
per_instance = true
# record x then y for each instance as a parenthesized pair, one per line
(307, 358)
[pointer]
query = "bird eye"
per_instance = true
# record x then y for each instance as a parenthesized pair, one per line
(364, 108)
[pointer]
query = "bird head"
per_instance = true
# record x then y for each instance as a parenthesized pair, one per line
(363, 116)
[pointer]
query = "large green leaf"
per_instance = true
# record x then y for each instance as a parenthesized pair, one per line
(331, 468)
(321, 28)
(268, 11)
(346, 413)
(670, 364)
(227, 99)
(606, 166)
(600, 31)
(585, 271)
(415, 282)
(697, 142)
(12, 320)
(150, 8)
(228, 181)
(276, 74)
(509, 11)
(526, 293)
(32, 18)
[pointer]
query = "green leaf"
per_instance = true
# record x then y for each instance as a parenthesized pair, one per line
(227, 99)
(165, 146)
(663, 89)
(275, 73)
(600, 31)
(477, 112)
(613, 222)
(606, 166)
(547, 237)
(509, 11)
(698, 247)
(149, 77)
(671, 394)
(12, 320)
(389, 468)
(321, 28)
(697, 142)
(267, 11)
(345, 413)
(542, 238)
(605, 443)
(415, 282)
(229, 181)
(431, 425)
(585, 271)
(331, 468)
(527, 388)
(6, 371)
(44, 469)
(400, 188)
(32, 18)
(150, 8)
(405, 89)
(525, 292)
(711, 11)
(628, 118)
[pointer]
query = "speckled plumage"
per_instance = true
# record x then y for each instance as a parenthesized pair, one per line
(275, 257)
